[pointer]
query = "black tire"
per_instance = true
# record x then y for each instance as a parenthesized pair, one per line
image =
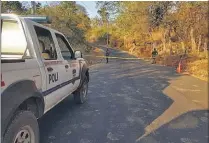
(79, 96)
(25, 124)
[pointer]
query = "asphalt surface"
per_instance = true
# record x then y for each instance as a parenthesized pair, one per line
(125, 97)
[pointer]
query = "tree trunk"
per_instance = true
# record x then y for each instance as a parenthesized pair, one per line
(170, 47)
(132, 48)
(164, 41)
(205, 48)
(193, 40)
(124, 40)
(183, 47)
(199, 43)
(33, 5)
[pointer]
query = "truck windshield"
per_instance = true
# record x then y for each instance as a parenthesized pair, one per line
(13, 42)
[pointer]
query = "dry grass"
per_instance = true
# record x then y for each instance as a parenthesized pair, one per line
(199, 68)
(196, 65)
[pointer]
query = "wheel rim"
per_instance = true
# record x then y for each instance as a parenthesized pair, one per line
(25, 135)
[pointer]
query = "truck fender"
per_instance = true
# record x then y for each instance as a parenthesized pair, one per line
(14, 95)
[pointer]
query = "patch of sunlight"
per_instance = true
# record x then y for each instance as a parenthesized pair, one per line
(180, 106)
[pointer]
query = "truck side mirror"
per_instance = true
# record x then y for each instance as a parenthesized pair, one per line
(78, 54)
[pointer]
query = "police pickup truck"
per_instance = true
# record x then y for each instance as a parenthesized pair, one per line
(39, 69)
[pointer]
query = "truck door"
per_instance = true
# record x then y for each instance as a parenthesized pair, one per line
(53, 66)
(72, 70)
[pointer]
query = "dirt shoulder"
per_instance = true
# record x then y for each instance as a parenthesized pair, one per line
(193, 66)
(93, 56)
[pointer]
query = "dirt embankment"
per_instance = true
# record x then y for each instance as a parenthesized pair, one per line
(194, 66)
(92, 56)
(89, 51)
(199, 69)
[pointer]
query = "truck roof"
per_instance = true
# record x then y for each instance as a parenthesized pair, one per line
(37, 20)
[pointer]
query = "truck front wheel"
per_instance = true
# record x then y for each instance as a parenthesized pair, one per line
(22, 129)
(81, 95)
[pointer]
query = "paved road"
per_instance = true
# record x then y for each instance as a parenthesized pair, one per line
(127, 99)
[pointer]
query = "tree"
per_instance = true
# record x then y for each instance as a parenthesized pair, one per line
(172, 25)
(68, 18)
(11, 7)
(81, 9)
(38, 5)
(190, 23)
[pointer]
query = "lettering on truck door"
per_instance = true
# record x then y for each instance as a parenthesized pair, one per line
(54, 68)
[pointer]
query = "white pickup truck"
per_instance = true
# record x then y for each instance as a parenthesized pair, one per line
(39, 69)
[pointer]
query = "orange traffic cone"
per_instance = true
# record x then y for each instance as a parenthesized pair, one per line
(178, 70)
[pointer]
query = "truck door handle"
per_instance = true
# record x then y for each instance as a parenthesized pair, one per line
(66, 66)
(50, 69)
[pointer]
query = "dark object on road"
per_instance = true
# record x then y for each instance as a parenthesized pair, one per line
(107, 54)
(154, 54)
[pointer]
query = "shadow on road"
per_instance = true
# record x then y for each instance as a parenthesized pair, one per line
(51, 121)
(128, 99)
(191, 127)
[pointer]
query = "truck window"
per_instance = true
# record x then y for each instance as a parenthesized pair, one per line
(46, 43)
(65, 48)
(13, 41)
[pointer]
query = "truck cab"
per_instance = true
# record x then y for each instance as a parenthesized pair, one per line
(39, 68)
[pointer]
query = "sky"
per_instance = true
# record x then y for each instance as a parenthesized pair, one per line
(90, 7)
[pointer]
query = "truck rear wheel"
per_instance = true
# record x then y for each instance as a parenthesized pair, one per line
(22, 129)
(81, 95)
